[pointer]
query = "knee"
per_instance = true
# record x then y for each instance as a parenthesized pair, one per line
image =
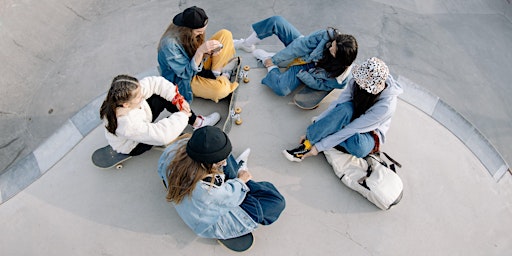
(223, 33)
(277, 19)
(358, 152)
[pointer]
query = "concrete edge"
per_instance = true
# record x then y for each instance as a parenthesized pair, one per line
(438, 110)
(29, 169)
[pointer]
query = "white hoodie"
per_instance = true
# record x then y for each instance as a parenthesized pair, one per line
(136, 126)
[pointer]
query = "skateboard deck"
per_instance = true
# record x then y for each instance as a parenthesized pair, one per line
(309, 98)
(107, 157)
(238, 244)
(233, 115)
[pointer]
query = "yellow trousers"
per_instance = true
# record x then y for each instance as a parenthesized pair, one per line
(221, 87)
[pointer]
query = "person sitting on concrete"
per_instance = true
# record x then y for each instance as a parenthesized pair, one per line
(131, 107)
(199, 67)
(355, 123)
(322, 60)
(212, 191)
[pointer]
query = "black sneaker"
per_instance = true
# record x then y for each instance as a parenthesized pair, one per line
(296, 154)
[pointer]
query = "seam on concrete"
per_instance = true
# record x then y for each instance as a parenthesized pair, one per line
(29, 169)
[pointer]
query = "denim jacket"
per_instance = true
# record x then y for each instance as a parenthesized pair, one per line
(310, 49)
(212, 211)
(176, 66)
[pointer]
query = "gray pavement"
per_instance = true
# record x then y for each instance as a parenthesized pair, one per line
(451, 131)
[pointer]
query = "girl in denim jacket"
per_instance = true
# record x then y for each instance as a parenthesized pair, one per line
(199, 67)
(322, 60)
(212, 192)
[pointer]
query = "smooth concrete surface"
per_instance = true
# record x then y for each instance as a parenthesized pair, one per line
(59, 55)
(451, 132)
(451, 205)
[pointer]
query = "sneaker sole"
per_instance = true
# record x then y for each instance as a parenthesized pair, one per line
(290, 157)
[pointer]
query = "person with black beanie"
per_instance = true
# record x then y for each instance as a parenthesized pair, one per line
(212, 191)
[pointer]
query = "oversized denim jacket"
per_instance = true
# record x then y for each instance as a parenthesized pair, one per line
(211, 211)
(310, 49)
(176, 66)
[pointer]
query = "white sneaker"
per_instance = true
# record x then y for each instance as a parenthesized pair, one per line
(240, 44)
(209, 120)
(262, 55)
(243, 158)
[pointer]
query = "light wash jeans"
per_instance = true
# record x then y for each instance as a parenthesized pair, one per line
(359, 144)
(263, 202)
(281, 83)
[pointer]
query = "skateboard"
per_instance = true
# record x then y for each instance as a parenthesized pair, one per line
(107, 157)
(309, 98)
(240, 74)
(238, 244)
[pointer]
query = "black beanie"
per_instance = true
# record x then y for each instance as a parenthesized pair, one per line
(193, 17)
(208, 144)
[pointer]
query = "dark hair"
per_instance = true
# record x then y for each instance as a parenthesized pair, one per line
(362, 101)
(346, 53)
(120, 92)
(185, 37)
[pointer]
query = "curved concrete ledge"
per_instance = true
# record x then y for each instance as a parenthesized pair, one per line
(33, 166)
(451, 119)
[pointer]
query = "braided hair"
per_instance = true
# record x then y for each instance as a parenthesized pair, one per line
(120, 92)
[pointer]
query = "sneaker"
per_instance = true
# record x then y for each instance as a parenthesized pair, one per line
(240, 44)
(242, 159)
(262, 55)
(209, 120)
(296, 154)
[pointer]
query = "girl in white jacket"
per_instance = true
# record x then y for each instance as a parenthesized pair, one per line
(131, 107)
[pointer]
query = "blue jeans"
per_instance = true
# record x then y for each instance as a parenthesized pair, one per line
(359, 144)
(263, 202)
(281, 83)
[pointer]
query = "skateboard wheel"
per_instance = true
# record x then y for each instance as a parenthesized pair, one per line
(119, 166)
(246, 80)
(247, 68)
(238, 121)
(238, 110)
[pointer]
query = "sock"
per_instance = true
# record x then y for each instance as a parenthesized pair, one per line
(227, 74)
(252, 39)
(307, 144)
(216, 73)
(271, 67)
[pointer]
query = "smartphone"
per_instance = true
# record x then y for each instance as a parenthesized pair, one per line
(217, 49)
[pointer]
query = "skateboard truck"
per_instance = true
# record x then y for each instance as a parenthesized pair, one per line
(244, 74)
(235, 114)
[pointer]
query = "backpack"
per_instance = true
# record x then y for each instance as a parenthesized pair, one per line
(370, 176)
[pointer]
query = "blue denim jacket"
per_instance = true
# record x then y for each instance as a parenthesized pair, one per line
(211, 211)
(310, 49)
(176, 66)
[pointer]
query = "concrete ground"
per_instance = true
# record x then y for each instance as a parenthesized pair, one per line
(451, 131)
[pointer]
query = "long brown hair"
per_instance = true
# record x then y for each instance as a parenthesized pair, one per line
(183, 173)
(346, 53)
(185, 37)
(120, 92)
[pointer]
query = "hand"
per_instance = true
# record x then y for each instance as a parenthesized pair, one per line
(244, 175)
(312, 152)
(185, 106)
(302, 139)
(208, 47)
(188, 113)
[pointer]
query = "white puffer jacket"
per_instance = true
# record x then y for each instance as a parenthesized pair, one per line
(136, 127)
